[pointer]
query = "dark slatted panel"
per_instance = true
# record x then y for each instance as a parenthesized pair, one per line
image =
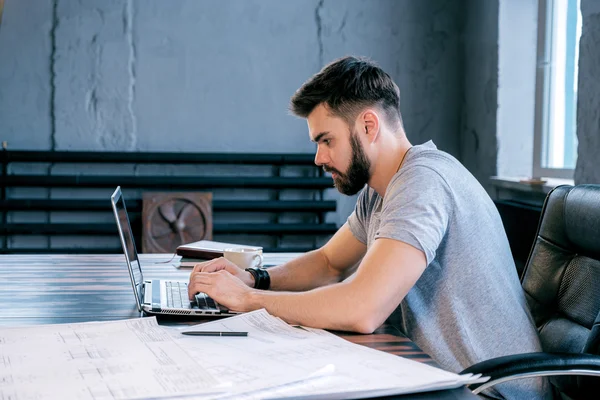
(136, 205)
(157, 157)
(85, 228)
(280, 182)
(116, 250)
(281, 205)
(166, 182)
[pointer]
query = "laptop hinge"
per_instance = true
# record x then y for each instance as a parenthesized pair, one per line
(156, 295)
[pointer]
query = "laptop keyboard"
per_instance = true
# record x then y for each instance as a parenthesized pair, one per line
(205, 302)
(177, 297)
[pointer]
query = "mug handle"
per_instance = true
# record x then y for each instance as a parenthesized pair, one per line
(258, 257)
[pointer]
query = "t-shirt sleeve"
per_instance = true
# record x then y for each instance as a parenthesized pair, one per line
(357, 221)
(416, 209)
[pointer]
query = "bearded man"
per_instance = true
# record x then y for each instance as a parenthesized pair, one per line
(432, 254)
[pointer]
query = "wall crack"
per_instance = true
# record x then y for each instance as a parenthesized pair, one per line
(53, 75)
(319, 22)
(128, 22)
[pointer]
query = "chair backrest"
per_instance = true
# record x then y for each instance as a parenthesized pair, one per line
(561, 279)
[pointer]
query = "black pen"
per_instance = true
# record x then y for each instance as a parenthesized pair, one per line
(214, 333)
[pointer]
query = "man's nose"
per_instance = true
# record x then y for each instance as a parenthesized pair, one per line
(320, 157)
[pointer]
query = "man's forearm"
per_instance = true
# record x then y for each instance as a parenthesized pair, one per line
(330, 307)
(306, 272)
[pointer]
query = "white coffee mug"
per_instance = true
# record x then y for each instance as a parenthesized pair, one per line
(244, 257)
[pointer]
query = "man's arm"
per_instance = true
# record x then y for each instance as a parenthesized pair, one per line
(361, 304)
(386, 274)
(319, 267)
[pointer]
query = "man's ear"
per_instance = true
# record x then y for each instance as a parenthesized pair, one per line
(370, 123)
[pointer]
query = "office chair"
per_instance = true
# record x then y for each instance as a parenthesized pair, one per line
(561, 280)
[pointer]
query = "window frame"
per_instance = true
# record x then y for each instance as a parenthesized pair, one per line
(542, 93)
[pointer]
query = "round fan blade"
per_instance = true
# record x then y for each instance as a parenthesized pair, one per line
(186, 211)
(167, 243)
(182, 239)
(167, 212)
(161, 234)
(196, 231)
(158, 228)
(191, 238)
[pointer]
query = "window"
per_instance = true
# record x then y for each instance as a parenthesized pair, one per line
(555, 139)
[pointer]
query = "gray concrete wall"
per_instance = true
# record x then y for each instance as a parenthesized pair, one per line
(588, 92)
(25, 64)
(209, 76)
(478, 142)
(94, 76)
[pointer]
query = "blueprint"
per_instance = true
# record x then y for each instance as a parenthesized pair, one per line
(278, 360)
(99, 360)
(137, 358)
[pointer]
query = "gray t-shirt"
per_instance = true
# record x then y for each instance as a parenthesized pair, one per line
(468, 306)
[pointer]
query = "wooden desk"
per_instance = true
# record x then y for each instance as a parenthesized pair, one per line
(50, 289)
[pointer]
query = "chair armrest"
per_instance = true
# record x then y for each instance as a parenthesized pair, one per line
(528, 365)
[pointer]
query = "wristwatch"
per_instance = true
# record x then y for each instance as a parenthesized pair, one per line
(262, 280)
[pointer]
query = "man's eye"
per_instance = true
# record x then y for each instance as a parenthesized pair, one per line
(327, 141)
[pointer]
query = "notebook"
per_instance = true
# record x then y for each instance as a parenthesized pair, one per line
(207, 249)
(187, 262)
(158, 296)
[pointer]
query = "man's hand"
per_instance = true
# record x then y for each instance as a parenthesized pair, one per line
(223, 287)
(219, 264)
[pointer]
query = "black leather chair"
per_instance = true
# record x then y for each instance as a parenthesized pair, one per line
(561, 281)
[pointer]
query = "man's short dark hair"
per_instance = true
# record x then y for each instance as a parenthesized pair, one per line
(347, 86)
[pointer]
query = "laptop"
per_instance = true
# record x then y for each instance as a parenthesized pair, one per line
(158, 296)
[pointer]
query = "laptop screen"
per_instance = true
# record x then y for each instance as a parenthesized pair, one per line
(126, 236)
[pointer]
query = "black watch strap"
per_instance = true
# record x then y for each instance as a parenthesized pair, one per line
(262, 280)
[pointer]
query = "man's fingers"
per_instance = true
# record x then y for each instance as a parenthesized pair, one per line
(198, 267)
(197, 278)
(202, 277)
(200, 282)
(203, 281)
(211, 268)
(196, 287)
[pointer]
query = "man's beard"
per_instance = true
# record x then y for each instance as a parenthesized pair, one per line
(357, 175)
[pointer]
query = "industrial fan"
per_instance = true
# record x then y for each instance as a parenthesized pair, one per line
(173, 219)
